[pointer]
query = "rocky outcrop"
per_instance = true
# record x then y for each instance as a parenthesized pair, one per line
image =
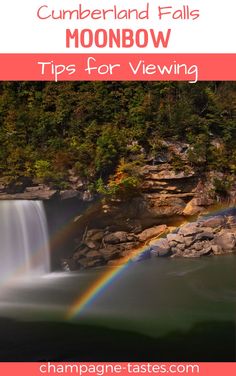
(211, 236)
(100, 247)
(24, 188)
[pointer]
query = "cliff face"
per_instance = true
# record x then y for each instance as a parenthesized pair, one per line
(171, 191)
(169, 196)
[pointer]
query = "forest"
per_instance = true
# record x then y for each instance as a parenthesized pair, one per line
(101, 129)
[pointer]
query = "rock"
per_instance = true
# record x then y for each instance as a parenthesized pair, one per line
(191, 254)
(205, 236)
(129, 246)
(146, 254)
(94, 263)
(198, 246)
(190, 229)
(119, 237)
(216, 249)
(69, 265)
(166, 172)
(69, 193)
(18, 186)
(188, 241)
(95, 235)
(94, 255)
(110, 253)
(80, 253)
(87, 196)
(31, 193)
(151, 232)
(172, 244)
(192, 209)
(90, 244)
(206, 251)
(180, 247)
(175, 238)
(197, 204)
(161, 248)
(117, 262)
(226, 240)
(213, 222)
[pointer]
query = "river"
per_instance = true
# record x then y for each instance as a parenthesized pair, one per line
(154, 298)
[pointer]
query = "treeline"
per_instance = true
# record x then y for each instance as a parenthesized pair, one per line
(46, 129)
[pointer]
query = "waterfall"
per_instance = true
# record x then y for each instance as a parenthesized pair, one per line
(24, 243)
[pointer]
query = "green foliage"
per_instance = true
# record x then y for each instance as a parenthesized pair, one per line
(222, 186)
(42, 169)
(124, 183)
(48, 128)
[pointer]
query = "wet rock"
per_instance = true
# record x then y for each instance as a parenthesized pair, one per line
(217, 250)
(95, 235)
(226, 240)
(190, 229)
(192, 209)
(190, 253)
(198, 246)
(161, 248)
(90, 244)
(175, 238)
(110, 253)
(69, 265)
(188, 241)
(94, 255)
(151, 233)
(68, 194)
(119, 237)
(180, 247)
(117, 262)
(206, 251)
(145, 255)
(205, 236)
(213, 222)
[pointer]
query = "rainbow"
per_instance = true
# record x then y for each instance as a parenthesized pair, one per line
(110, 275)
(101, 284)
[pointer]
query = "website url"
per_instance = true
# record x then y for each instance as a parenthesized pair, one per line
(117, 368)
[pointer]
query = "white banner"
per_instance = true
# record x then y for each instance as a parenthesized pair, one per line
(121, 26)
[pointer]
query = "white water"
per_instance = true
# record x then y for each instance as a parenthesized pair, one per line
(24, 249)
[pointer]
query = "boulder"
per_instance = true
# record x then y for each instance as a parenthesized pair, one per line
(116, 262)
(216, 249)
(198, 246)
(119, 237)
(213, 222)
(151, 233)
(161, 248)
(146, 254)
(190, 253)
(180, 247)
(206, 235)
(226, 240)
(188, 241)
(68, 194)
(95, 235)
(190, 229)
(90, 244)
(175, 238)
(191, 208)
(110, 253)
(206, 251)
(93, 255)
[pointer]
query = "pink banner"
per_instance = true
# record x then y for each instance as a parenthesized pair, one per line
(110, 369)
(132, 67)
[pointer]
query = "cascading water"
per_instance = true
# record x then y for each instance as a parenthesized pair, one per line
(24, 243)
